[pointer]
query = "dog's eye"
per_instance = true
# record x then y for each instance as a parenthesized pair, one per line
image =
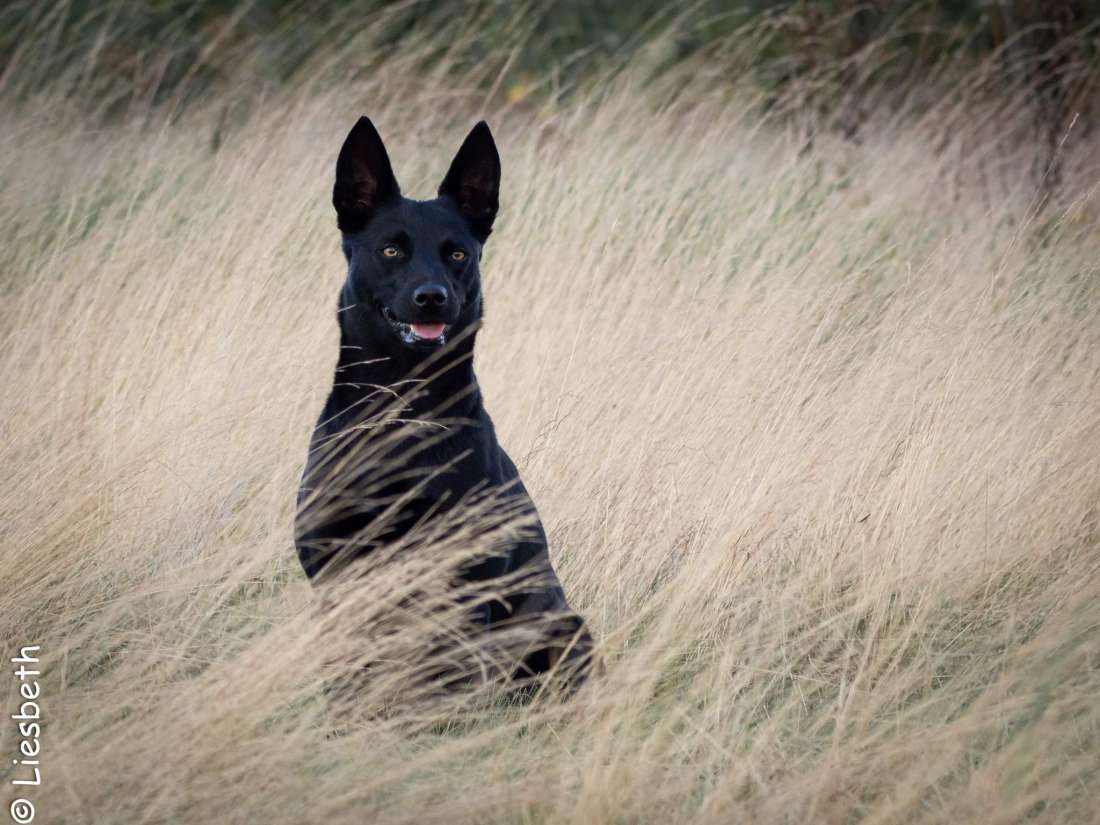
(458, 255)
(391, 251)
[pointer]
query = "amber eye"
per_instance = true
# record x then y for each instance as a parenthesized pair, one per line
(391, 251)
(458, 255)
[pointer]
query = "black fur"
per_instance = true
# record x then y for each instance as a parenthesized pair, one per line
(417, 263)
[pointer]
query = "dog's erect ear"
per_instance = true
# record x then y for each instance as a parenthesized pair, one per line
(364, 178)
(473, 181)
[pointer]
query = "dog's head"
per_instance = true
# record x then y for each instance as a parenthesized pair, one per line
(413, 265)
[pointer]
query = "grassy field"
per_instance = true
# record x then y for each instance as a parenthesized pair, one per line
(814, 428)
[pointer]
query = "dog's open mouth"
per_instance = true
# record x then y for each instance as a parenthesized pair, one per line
(416, 333)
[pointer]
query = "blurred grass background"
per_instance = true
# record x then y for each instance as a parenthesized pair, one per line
(161, 46)
(829, 62)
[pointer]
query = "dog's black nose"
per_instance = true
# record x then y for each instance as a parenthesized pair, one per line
(430, 295)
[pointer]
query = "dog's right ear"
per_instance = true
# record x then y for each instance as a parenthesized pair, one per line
(364, 178)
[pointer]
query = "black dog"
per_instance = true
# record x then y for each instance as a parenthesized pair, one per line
(411, 306)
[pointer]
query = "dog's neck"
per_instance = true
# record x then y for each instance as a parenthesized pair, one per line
(427, 384)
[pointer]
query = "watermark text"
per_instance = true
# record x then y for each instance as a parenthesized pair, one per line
(28, 771)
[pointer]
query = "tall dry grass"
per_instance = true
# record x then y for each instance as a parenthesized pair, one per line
(813, 433)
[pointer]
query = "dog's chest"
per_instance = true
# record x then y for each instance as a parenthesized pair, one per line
(464, 459)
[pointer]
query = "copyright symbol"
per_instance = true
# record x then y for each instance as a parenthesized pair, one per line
(22, 811)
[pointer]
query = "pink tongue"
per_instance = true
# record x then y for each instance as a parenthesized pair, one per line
(427, 331)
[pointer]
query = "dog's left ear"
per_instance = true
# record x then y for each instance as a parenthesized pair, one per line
(473, 181)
